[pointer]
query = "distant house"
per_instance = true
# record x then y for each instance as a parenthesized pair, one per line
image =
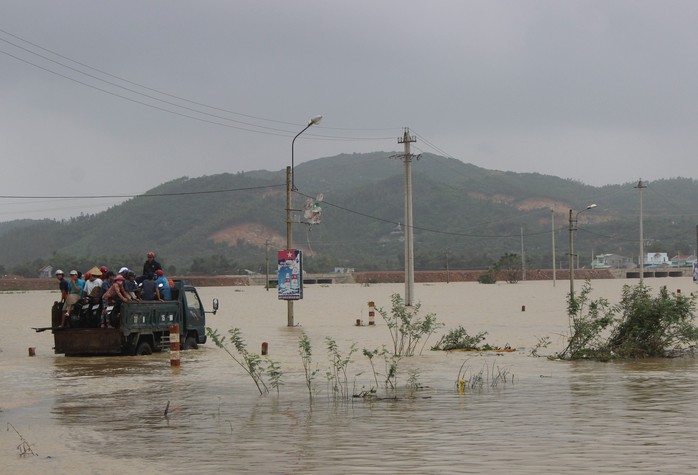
(46, 272)
(343, 270)
(612, 261)
(682, 261)
(657, 259)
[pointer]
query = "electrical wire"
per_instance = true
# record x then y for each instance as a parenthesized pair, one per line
(418, 228)
(145, 195)
(265, 129)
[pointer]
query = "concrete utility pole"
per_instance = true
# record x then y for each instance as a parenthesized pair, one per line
(571, 253)
(523, 258)
(407, 157)
(552, 214)
(641, 261)
(266, 261)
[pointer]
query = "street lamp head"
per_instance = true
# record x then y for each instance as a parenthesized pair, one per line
(591, 206)
(315, 120)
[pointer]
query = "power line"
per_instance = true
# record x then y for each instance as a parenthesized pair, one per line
(265, 129)
(145, 195)
(434, 231)
(101, 71)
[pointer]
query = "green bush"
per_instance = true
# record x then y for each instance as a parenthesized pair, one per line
(487, 278)
(458, 339)
(639, 326)
(406, 327)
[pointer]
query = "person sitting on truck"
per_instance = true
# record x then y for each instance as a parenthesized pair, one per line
(150, 266)
(150, 290)
(131, 286)
(107, 281)
(75, 286)
(163, 284)
(115, 295)
(93, 287)
(93, 293)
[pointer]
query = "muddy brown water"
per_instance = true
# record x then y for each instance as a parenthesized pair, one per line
(105, 415)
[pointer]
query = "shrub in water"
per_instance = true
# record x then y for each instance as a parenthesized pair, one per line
(641, 325)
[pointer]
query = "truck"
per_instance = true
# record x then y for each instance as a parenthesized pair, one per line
(139, 327)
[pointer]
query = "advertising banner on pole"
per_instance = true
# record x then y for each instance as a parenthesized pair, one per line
(290, 274)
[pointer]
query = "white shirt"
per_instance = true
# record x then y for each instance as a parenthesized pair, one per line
(91, 284)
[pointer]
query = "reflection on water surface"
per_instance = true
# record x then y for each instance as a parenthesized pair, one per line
(107, 415)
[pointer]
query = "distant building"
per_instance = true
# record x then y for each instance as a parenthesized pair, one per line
(396, 234)
(612, 261)
(682, 261)
(343, 270)
(46, 272)
(657, 259)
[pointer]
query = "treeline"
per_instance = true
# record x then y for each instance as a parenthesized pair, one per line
(465, 217)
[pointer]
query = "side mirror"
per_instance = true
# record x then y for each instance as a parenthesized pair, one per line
(215, 306)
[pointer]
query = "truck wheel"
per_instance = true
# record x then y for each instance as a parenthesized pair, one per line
(190, 343)
(144, 348)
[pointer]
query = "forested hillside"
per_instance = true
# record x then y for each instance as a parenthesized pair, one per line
(464, 215)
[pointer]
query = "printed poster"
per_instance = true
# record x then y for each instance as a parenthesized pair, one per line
(290, 275)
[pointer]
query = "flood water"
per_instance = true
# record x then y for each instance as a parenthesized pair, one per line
(106, 415)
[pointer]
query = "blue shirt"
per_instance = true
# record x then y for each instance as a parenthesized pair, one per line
(105, 286)
(165, 290)
(77, 287)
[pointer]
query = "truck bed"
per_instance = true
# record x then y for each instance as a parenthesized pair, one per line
(88, 341)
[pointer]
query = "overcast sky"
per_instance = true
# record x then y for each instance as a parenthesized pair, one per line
(116, 97)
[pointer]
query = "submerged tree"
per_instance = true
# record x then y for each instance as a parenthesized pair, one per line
(509, 266)
(406, 327)
(640, 325)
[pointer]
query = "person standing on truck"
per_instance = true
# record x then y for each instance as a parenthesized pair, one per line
(163, 285)
(150, 266)
(62, 286)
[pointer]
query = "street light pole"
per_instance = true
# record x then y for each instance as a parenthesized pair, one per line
(572, 229)
(290, 187)
(571, 257)
(314, 121)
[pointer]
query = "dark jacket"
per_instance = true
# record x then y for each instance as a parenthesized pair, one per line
(150, 267)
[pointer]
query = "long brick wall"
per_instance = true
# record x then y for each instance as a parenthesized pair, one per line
(10, 284)
(472, 275)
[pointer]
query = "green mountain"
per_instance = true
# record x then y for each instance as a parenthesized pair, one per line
(469, 215)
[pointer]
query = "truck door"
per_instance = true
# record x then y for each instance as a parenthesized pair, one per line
(195, 315)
